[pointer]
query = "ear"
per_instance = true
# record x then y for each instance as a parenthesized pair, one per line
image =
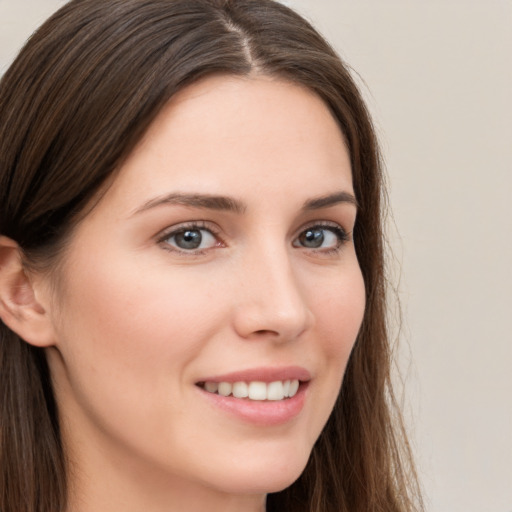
(20, 309)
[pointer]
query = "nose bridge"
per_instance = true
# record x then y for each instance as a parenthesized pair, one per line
(271, 299)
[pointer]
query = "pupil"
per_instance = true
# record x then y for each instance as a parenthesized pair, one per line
(190, 239)
(312, 238)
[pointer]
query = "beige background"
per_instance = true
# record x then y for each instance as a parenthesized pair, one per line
(438, 78)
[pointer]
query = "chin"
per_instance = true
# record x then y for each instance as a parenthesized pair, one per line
(264, 477)
(267, 483)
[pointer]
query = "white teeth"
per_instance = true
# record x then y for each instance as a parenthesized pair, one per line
(277, 390)
(257, 391)
(225, 388)
(212, 387)
(294, 387)
(240, 390)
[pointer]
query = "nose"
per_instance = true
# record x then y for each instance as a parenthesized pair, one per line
(271, 302)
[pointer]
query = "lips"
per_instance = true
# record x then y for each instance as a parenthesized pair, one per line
(263, 374)
(264, 396)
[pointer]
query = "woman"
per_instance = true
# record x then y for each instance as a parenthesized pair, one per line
(185, 285)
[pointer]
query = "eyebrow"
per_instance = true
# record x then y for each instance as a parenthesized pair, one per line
(318, 203)
(230, 204)
(206, 201)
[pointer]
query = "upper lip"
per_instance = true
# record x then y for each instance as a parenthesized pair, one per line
(262, 374)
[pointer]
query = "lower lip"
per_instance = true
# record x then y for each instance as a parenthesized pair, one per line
(260, 412)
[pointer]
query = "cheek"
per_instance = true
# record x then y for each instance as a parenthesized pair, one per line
(125, 327)
(339, 311)
(339, 316)
(128, 338)
(132, 313)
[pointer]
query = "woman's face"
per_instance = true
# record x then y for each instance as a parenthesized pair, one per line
(221, 254)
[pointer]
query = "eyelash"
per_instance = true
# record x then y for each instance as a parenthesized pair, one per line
(189, 226)
(341, 234)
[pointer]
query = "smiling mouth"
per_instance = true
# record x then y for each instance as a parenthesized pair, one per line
(254, 390)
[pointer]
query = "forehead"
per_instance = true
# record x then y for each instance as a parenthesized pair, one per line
(249, 135)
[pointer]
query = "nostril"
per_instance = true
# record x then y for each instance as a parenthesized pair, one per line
(266, 332)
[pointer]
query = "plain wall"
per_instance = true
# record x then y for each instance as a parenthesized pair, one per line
(438, 79)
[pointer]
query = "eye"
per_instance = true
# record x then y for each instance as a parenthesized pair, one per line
(321, 237)
(192, 238)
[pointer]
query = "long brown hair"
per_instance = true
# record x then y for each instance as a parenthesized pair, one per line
(73, 105)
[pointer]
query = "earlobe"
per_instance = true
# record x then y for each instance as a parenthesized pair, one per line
(19, 307)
